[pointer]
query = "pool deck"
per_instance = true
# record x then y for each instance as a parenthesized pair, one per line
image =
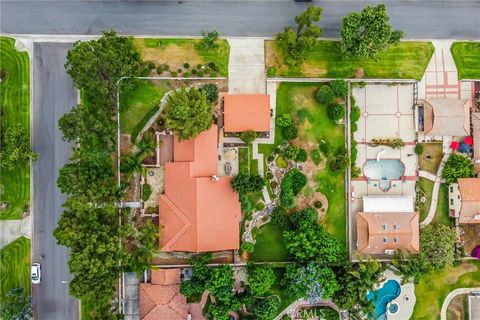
(405, 301)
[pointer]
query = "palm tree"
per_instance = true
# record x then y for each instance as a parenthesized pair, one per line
(369, 273)
(410, 267)
(147, 145)
(131, 163)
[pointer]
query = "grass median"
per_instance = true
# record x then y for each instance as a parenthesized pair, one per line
(467, 59)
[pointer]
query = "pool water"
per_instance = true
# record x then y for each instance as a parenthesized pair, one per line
(384, 170)
(388, 292)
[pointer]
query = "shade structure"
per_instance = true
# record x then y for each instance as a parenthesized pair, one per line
(468, 140)
(464, 148)
(454, 145)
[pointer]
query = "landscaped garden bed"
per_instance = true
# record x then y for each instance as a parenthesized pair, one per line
(406, 60)
(15, 110)
(467, 59)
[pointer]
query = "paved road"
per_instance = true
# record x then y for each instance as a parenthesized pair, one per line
(420, 19)
(53, 95)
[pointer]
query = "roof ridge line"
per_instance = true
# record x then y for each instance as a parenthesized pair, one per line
(187, 223)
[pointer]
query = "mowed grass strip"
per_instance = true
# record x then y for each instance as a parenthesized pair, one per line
(15, 267)
(14, 109)
(177, 52)
(406, 60)
(434, 287)
(467, 59)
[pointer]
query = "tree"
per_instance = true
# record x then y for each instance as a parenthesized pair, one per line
(220, 283)
(131, 163)
(291, 151)
(310, 281)
(200, 275)
(368, 273)
(325, 95)
(437, 242)
(96, 66)
(292, 183)
(354, 114)
(289, 132)
(244, 183)
(188, 113)
(266, 308)
(248, 136)
(341, 162)
(364, 34)
(419, 149)
(284, 120)
(211, 91)
(210, 39)
(457, 166)
(17, 305)
(146, 146)
(16, 147)
(247, 247)
(260, 279)
(410, 267)
(336, 111)
(279, 216)
(294, 45)
(301, 156)
(339, 88)
(141, 259)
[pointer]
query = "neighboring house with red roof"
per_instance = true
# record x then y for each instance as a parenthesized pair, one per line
(245, 112)
(199, 211)
(161, 299)
(464, 200)
(446, 117)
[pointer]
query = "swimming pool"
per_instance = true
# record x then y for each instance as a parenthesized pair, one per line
(388, 292)
(384, 170)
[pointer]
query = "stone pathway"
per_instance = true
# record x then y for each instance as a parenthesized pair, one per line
(450, 296)
(436, 188)
(14, 229)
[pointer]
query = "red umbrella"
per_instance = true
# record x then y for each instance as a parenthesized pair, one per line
(454, 145)
(468, 140)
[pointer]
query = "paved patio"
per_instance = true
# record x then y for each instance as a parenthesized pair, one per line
(405, 301)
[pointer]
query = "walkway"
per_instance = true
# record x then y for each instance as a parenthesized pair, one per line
(14, 229)
(436, 188)
(450, 296)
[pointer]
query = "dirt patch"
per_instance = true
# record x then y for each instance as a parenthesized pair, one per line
(452, 277)
(314, 70)
(470, 236)
(125, 143)
(167, 258)
(458, 308)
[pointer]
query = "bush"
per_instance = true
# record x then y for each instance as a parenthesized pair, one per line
(186, 74)
(355, 114)
(179, 70)
(199, 66)
(336, 111)
(353, 127)
(211, 91)
(318, 204)
(301, 156)
(147, 191)
(245, 204)
(206, 70)
(212, 65)
(341, 162)
(210, 39)
(291, 152)
(260, 206)
(284, 120)
(248, 136)
(339, 88)
(145, 72)
(271, 72)
(159, 70)
(194, 71)
(270, 158)
(166, 67)
(289, 133)
(325, 95)
(316, 156)
(200, 73)
(152, 210)
(151, 65)
(247, 247)
(457, 166)
(279, 216)
(173, 73)
(186, 65)
(418, 149)
(269, 175)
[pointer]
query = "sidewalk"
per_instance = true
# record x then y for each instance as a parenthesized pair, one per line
(450, 296)
(14, 229)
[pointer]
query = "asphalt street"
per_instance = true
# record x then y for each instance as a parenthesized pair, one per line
(419, 19)
(53, 96)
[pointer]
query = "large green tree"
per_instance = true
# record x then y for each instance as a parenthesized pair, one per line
(366, 33)
(188, 113)
(17, 305)
(266, 308)
(457, 166)
(437, 242)
(411, 266)
(260, 279)
(15, 148)
(295, 44)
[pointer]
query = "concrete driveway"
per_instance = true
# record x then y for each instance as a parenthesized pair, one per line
(246, 67)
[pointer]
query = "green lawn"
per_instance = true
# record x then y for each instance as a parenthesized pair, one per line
(270, 245)
(14, 108)
(431, 157)
(15, 267)
(138, 105)
(407, 60)
(278, 290)
(467, 59)
(427, 187)
(177, 52)
(243, 160)
(441, 215)
(314, 126)
(434, 287)
(86, 308)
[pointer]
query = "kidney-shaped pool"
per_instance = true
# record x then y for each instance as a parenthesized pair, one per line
(384, 170)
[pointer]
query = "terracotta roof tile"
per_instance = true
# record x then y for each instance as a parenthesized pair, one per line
(243, 112)
(162, 302)
(165, 276)
(470, 197)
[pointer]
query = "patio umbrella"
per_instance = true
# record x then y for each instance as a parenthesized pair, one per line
(454, 145)
(464, 148)
(468, 140)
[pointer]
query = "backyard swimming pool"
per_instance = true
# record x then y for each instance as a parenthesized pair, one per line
(384, 170)
(382, 297)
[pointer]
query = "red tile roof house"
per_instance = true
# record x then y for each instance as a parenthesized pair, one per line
(161, 299)
(199, 211)
(464, 200)
(245, 112)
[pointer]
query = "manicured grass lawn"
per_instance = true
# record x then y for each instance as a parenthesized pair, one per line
(176, 52)
(434, 287)
(431, 157)
(407, 60)
(315, 126)
(253, 162)
(441, 215)
(15, 267)
(280, 291)
(138, 105)
(270, 245)
(14, 109)
(86, 308)
(467, 59)
(243, 160)
(427, 187)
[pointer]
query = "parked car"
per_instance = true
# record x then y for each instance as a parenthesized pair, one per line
(36, 273)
